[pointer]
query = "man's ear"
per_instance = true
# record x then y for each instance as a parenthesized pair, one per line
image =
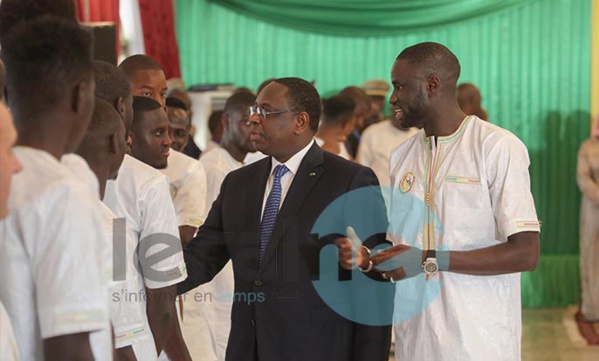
(302, 123)
(120, 106)
(225, 121)
(78, 97)
(113, 143)
(432, 84)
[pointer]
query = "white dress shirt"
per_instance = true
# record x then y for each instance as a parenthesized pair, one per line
(293, 165)
(188, 188)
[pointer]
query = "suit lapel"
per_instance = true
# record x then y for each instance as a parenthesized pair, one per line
(308, 173)
(256, 187)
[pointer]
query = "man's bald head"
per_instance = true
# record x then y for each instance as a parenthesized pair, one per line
(433, 58)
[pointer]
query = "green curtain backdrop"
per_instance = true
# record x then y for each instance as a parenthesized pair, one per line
(531, 62)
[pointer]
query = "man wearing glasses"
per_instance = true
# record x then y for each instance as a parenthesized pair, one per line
(262, 221)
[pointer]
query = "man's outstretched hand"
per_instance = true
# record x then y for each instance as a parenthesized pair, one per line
(351, 252)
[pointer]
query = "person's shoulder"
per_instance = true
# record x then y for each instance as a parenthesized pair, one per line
(407, 146)
(179, 165)
(214, 157)
(82, 171)
(138, 173)
(490, 136)
(377, 128)
(181, 159)
(591, 144)
(42, 176)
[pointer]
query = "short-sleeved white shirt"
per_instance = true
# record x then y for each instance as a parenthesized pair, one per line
(128, 320)
(188, 188)
(9, 350)
(51, 277)
(376, 144)
(479, 196)
(141, 195)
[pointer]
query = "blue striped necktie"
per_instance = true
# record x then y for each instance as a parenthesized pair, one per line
(271, 209)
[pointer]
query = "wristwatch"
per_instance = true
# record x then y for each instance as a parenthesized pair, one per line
(430, 265)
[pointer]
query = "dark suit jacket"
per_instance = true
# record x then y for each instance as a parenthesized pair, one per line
(277, 313)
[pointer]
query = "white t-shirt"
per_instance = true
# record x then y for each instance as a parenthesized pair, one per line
(9, 350)
(188, 188)
(51, 276)
(129, 322)
(207, 308)
(376, 144)
(479, 195)
(141, 195)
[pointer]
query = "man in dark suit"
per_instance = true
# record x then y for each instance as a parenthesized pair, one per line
(263, 221)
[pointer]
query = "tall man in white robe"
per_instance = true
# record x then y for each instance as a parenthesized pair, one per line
(468, 186)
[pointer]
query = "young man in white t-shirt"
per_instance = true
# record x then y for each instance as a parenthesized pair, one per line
(151, 145)
(51, 279)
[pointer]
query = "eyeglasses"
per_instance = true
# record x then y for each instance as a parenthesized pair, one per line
(258, 110)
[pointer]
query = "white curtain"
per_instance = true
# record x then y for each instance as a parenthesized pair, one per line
(131, 28)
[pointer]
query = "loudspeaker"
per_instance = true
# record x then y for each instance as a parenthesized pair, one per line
(105, 45)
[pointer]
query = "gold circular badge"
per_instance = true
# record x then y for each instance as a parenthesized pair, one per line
(407, 181)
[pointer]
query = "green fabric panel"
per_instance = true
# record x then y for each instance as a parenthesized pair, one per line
(555, 283)
(367, 18)
(532, 64)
